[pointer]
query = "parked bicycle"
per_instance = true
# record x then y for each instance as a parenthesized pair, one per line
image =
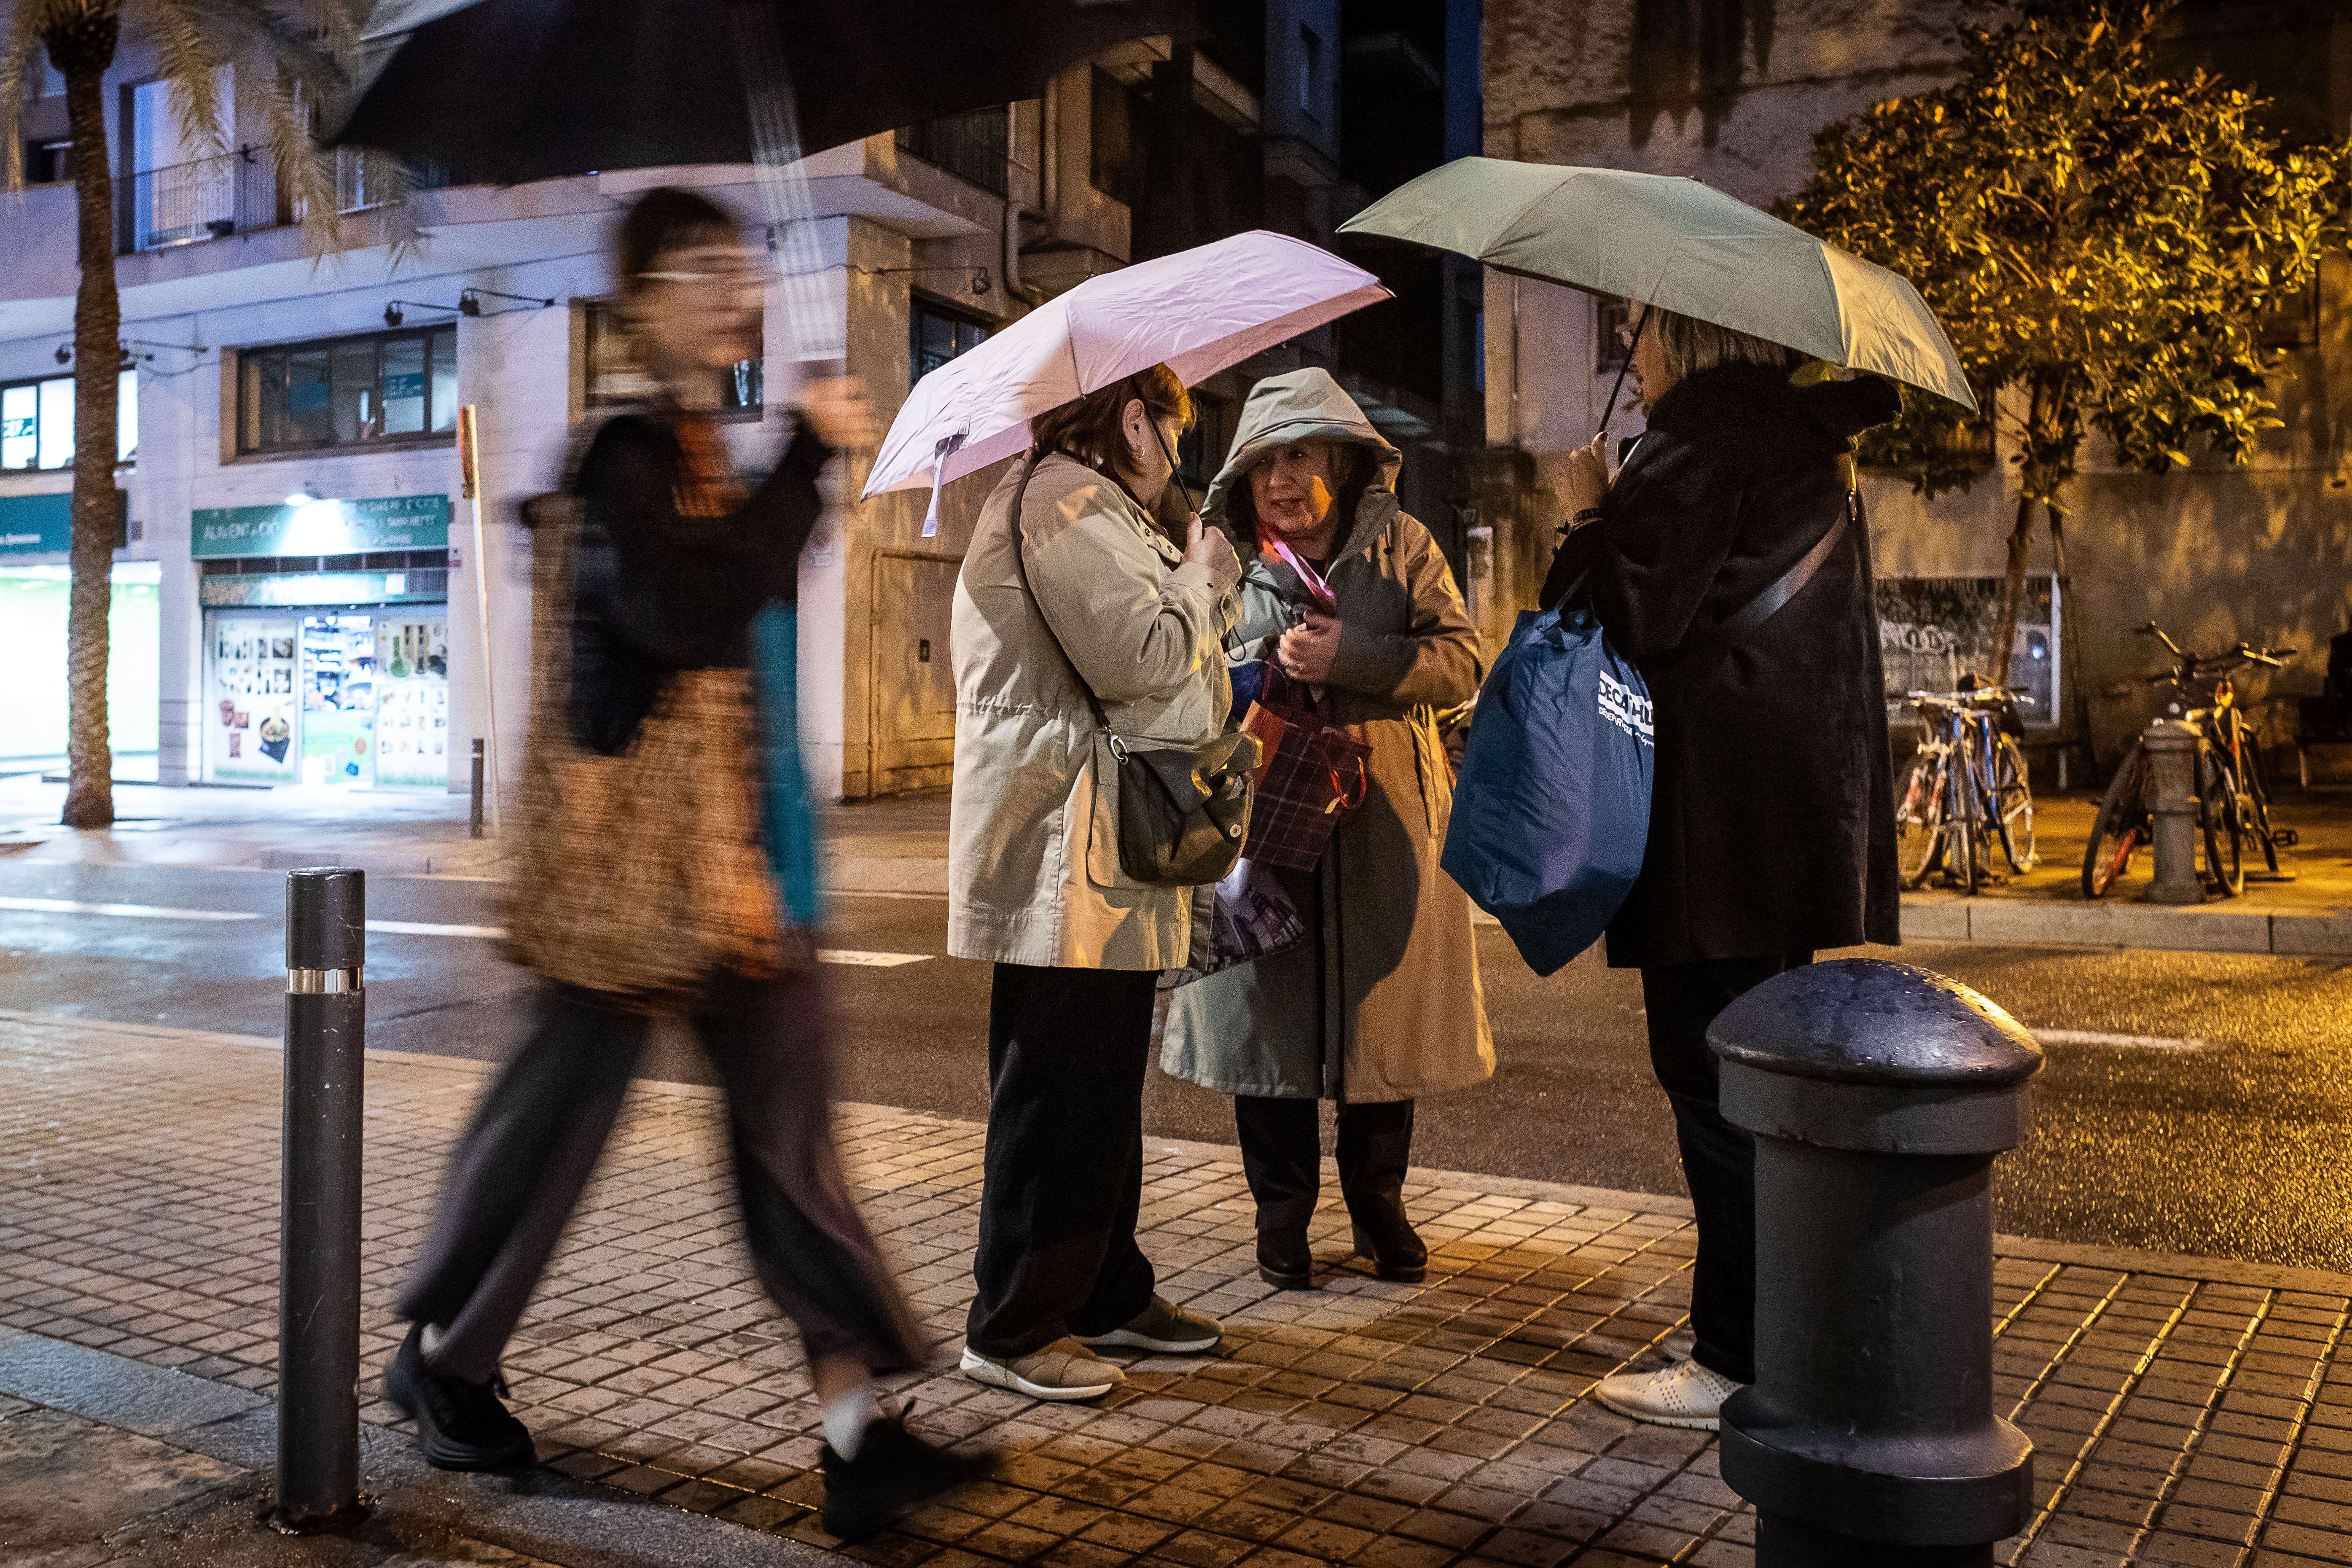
(1967, 789)
(2234, 794)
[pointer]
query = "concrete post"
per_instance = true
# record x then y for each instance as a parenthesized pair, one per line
(2171, 746)
(319, 1248)
(1879, 1095)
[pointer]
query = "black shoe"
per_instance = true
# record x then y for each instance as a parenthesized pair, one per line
(1396, 1251)
(460, 1426)
(1283, 1260)
(893, 1472)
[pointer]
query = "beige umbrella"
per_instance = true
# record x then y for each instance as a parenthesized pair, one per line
(1682, 247)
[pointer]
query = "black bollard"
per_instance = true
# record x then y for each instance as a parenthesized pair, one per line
(318, 1247)
(1879, 1095)
(478, 787)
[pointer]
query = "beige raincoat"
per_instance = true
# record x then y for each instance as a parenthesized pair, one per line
(1381, 1001)
(1032, 831)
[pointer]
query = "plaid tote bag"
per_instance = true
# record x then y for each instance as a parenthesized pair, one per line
(1313, 771)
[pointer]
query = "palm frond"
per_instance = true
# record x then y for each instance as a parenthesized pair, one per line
(21, 52)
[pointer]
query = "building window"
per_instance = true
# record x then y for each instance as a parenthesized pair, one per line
(969, 146)
(36, 422)
(1310, 69)
(611, 375)
(1111, 166)
(347, 392)
(1609, 352)
(48, 161)
(939, 334)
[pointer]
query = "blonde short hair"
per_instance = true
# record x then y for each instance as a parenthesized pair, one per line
(1690, 346)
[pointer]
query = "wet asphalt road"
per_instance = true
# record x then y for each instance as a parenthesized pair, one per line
(2240, 1149)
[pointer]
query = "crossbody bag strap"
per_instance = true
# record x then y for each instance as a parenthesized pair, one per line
(1789, 583)
(1021, 566)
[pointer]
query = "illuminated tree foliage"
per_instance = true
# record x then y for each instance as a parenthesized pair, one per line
(2103, 242)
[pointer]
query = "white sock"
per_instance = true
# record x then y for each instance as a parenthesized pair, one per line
(846, 1418)
(430, 1341)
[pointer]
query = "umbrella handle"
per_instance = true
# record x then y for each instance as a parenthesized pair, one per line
(1610, 407)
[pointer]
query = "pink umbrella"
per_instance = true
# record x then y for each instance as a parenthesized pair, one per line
(1197, 311)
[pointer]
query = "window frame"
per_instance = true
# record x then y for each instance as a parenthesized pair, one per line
(126, 401)
(242, 413)
(919, 305)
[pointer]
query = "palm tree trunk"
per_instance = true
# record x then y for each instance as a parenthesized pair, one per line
(82, 50)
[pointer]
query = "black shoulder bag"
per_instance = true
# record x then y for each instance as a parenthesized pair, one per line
(1183, 813)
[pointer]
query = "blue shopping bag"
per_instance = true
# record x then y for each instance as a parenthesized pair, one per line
(1551, 812)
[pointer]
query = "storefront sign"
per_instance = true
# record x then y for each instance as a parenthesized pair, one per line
(36, 525)
(321, 589)
(323, 527)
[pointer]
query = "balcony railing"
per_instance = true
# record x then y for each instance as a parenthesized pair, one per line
(969, 146)
(205, 198)
(235, 193)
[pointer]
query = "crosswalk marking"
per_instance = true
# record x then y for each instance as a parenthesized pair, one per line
(2127, 1042)
(853, 956)
(130, 911)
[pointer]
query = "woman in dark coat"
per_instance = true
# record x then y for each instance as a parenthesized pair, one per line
(1771, 816)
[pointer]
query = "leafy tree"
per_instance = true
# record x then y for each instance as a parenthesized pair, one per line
(296, 44)
(2103, 241)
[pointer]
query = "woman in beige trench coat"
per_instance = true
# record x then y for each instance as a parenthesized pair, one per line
(1070, 584)
(1380, 1006)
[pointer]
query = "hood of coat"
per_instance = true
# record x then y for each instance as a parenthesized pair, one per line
(1308, 405)
(1832, 413)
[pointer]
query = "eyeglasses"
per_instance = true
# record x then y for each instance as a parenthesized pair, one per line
(735, 277)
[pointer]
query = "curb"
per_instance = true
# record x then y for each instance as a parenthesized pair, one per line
(2127, 925)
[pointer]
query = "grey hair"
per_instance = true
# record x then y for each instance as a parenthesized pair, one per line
(1690, 346)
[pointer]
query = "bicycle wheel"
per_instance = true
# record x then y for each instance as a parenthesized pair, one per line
(1919, 821)
(2121, 827)
(2013, 805)
(2225, 832)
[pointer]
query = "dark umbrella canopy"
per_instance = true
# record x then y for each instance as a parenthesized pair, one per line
(510, 90)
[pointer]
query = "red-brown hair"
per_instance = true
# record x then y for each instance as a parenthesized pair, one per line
(1088, 428)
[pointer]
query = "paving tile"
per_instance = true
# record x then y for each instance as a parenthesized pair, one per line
(1371, 1423)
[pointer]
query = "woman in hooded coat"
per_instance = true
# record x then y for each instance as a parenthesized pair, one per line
(1378, 1005)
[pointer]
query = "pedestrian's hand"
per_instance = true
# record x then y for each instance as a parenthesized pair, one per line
(837, 410)
(1208, 547)
(1587, 480)
(1309, 650)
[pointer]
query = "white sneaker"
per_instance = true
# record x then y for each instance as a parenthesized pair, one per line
(1063, 1369)
(1684, 1395)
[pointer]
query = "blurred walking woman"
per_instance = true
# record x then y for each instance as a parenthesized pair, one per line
(1070, 583)
(1378, 1005)
(646, 884)
(1771, 816)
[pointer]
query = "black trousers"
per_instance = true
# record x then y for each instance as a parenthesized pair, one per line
(521, 1166)
(1282, 1155)
(1718, 1159)
(1064, 1178)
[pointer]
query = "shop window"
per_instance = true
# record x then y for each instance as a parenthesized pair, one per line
(938, 335)
(36, 422)
(347, 392)
(612, 374)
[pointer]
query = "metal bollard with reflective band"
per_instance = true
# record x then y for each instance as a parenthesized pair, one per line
(319, 1256)
(2173, 747)
(1879, 1095)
